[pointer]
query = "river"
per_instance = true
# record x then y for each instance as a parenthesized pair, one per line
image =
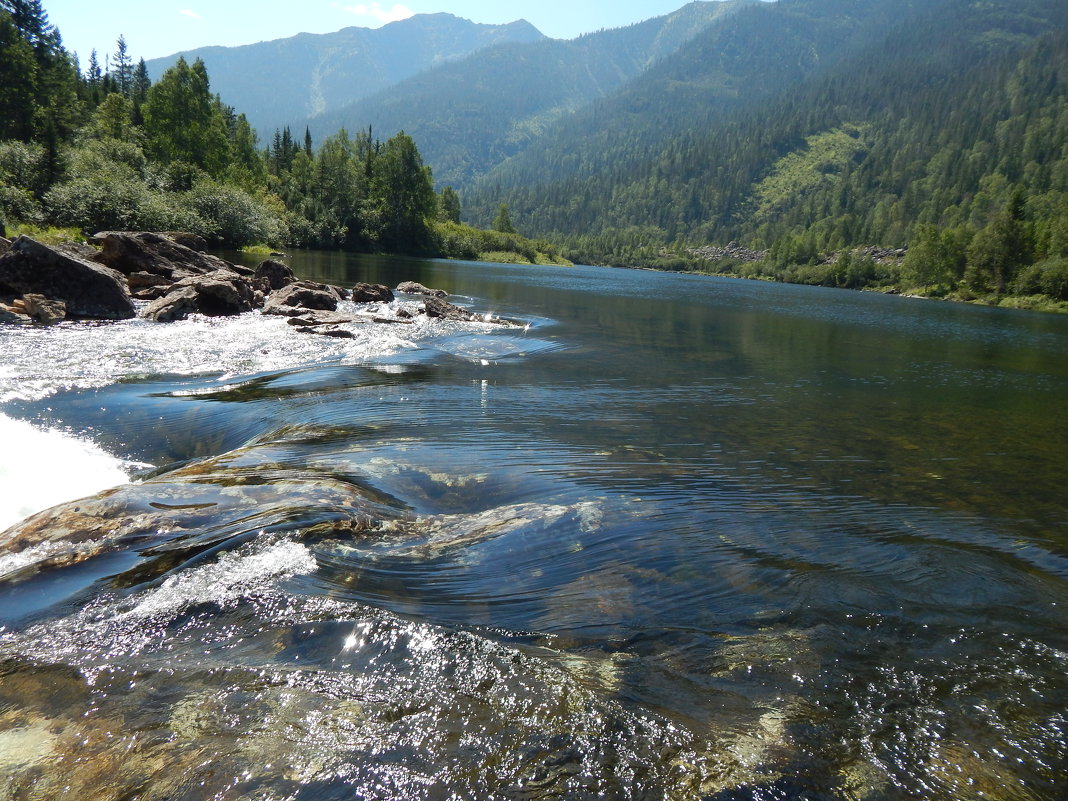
(672, 537)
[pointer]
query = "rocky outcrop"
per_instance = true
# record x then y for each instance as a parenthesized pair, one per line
(89, 290)
(414, 288)
(732, 250)
(222, 293)
(276, 274)
(176, 279)
(371, 293)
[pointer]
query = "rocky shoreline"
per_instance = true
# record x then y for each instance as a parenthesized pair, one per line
(163, 277)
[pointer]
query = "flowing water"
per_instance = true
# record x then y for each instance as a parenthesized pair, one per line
(671, 538)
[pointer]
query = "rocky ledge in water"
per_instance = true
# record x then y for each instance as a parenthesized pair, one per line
(177, 278)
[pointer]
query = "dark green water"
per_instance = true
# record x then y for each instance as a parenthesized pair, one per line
(678, 537)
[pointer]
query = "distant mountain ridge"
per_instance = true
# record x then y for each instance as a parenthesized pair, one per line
(471, 114)
(278, 82)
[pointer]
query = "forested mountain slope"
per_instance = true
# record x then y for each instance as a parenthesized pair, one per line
(473, 113)
(752, 56)
(937, 117)
(276, 83)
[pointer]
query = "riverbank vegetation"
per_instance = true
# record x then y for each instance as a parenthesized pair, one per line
(106, 149)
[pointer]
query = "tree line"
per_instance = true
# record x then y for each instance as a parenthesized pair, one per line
(107, 149)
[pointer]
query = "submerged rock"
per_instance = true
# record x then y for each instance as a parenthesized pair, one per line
(186, 509)
(415, 288)
(89, 290)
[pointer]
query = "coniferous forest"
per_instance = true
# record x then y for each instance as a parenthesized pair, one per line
(886, 144)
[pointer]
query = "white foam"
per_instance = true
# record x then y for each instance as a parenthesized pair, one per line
(40, 468)
(232, 576)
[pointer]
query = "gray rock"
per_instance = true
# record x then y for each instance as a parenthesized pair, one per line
(436, 307)
(5, 245)
(336, 333)
(89, 290)
(371, 293)
(222, 293)
(294, 299)
(175, 305)
(143, 280)
(276, 274)
(310, 318)
(191, 241)
(415, 288)
(130, 252)
(10, 316)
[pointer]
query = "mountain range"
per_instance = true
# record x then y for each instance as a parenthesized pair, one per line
(281, 82)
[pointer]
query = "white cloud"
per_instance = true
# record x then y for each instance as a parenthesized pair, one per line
(375, 11)
(185, 12)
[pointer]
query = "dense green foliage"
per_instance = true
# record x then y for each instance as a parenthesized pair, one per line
(115, 151)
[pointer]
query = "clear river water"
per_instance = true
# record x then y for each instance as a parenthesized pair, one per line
(672, 537)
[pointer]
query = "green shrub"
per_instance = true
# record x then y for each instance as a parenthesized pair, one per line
(1048, 277)
(231, 216)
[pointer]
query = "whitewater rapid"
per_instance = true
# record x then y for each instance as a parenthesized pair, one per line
(44, 467)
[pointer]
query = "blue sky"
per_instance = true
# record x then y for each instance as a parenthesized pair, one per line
(162, 27)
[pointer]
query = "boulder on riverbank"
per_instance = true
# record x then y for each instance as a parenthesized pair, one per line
(157, 254)
(89, 290)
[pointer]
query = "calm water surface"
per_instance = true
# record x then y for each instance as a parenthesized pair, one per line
(672, 538)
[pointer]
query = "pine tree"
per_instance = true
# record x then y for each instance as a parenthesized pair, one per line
(18, 81)
(141, 83)
(124, 70)
(449, 205)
